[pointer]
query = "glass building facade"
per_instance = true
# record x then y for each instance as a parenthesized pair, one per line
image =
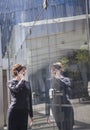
(14, 12)
(38, 37)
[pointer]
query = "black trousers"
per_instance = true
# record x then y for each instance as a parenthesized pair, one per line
(17, 119)
(68, 122)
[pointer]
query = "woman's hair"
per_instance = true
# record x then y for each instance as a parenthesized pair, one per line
(17, 68)
(57, 65)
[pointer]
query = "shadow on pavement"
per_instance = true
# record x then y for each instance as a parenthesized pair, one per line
(41, 123)
(81, 126)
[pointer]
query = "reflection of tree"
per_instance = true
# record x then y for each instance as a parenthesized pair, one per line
(65, 61)
(82, 57)
(83, 64)
(76, 64)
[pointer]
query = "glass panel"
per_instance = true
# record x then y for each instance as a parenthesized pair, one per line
(37, 38)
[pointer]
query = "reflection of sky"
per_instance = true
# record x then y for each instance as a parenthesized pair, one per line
(60, 1)
(12, 5)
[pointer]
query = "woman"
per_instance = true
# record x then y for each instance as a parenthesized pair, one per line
(60, 103)
(21, 100)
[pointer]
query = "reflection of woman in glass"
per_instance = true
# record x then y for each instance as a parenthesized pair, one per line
(21, 101)
(60, 102)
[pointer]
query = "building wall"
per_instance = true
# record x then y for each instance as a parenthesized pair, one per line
(46, 42)
(14, 12)
(50, 47)
(1, 88)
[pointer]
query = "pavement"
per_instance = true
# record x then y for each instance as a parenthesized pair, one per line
(81, 116)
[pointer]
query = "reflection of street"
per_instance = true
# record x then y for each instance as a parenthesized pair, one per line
(81, 115)
(40, 122)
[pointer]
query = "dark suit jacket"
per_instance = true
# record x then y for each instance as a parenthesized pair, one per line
(21, 97)
(60, 102)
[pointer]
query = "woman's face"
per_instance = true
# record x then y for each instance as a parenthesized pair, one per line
(23, 71)
(53, 71)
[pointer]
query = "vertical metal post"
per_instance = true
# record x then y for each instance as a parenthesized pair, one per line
(87, 23)
(88, 31)
(8, 54)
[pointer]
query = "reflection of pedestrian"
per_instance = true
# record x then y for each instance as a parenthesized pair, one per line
(60, 102)
(21, 100)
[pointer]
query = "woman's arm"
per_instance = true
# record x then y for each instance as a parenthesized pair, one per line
(30, 106)
(30, 103)
(15, 87)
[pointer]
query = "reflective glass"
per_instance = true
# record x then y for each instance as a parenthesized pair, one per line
(37, 38)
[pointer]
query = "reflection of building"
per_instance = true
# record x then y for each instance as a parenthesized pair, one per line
(38, 37)
(46, 36)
